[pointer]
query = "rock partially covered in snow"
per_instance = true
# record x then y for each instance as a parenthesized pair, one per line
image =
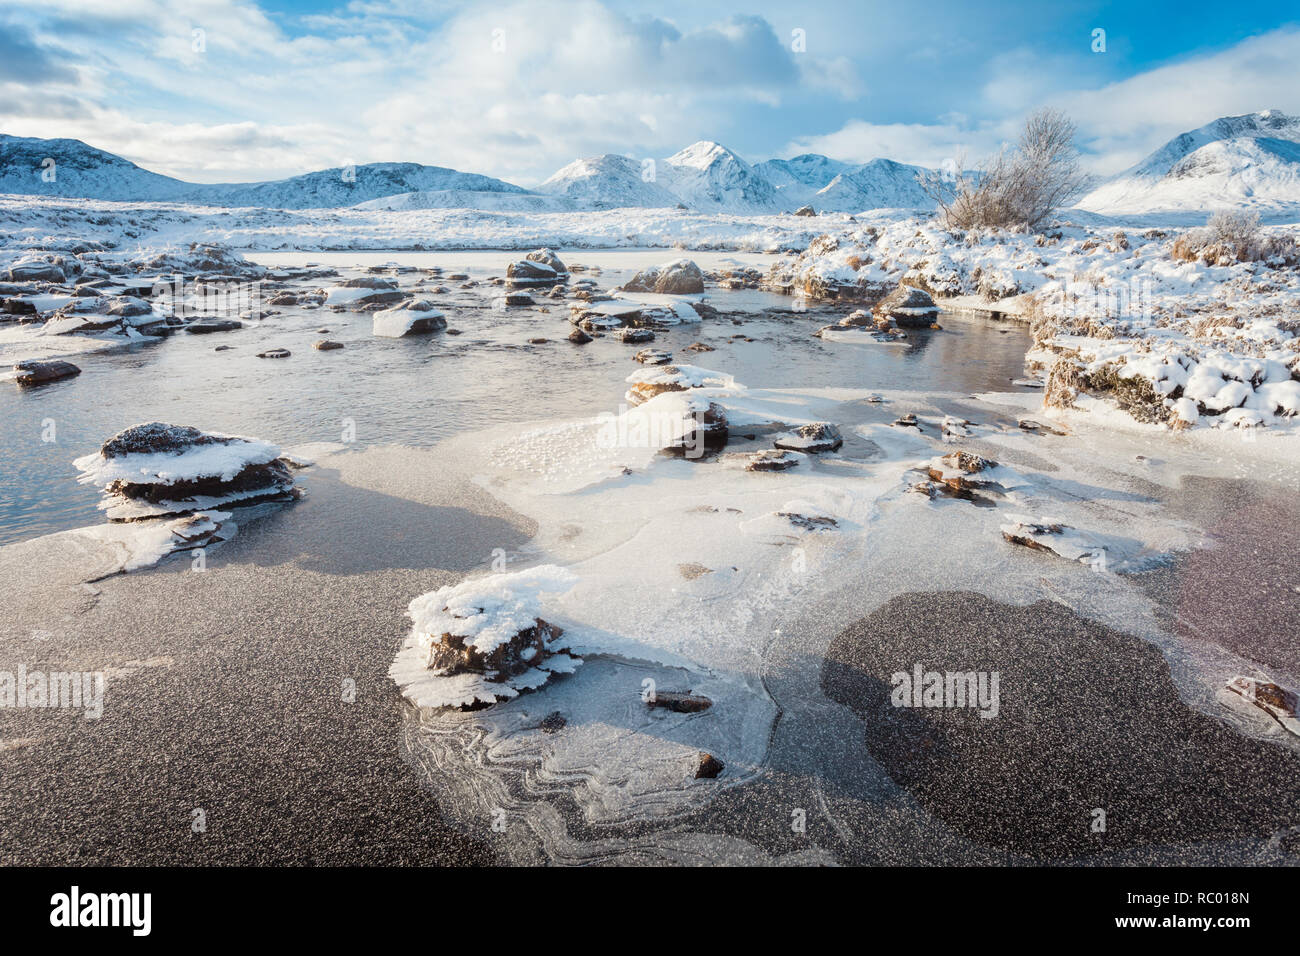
(409, 318)
(909, 307)
(118, 315)
(156, 470)
(648, 383)
(363, 291)
(772, 460)
(38, 373)
(680, 277)
(815, 437)
(36, 268)
(483, 640)
(703, 430)
(653, 357)
(1276, 701)
(956, 471)
(1044, 534)
(542, 267)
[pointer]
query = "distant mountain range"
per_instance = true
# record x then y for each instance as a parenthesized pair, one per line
(1250, 161)
(706, 177)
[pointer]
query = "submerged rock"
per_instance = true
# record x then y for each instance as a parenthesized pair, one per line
(1276, 701)
(708, 767)
(326, 345)
(681, 703)
(206, 326)
(579, 337)
(814, 438)
(38, 373)
(274, 354)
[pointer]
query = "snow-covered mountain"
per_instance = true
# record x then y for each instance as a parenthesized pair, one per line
(609, 182)
(797, 180)
(82, 171)
(709, 177)
(879, 184)
(1250, 161)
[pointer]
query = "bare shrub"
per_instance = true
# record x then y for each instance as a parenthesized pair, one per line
(1234, 236)
(1022, 187)
(1236, 229)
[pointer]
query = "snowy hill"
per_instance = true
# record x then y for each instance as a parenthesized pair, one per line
(711, 178)
(607, 182)
(1250, 161)
(78, 170)
(471, 199)
(81, 171)
(331, 187)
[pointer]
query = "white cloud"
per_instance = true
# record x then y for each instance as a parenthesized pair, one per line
(1118, 124)
(923, 144)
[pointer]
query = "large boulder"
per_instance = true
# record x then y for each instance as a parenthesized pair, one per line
(680, 277)
(907, 306)
(38, 269)
(542, 267)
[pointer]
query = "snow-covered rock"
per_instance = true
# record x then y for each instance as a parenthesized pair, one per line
(909, 307)
(649, 382)
(411, 317)
(156, 469)
(483, 640)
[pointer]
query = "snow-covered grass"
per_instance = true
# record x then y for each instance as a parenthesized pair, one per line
(31, 222)
(1113, 313)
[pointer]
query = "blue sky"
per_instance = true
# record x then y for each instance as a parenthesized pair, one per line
(518, 89)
